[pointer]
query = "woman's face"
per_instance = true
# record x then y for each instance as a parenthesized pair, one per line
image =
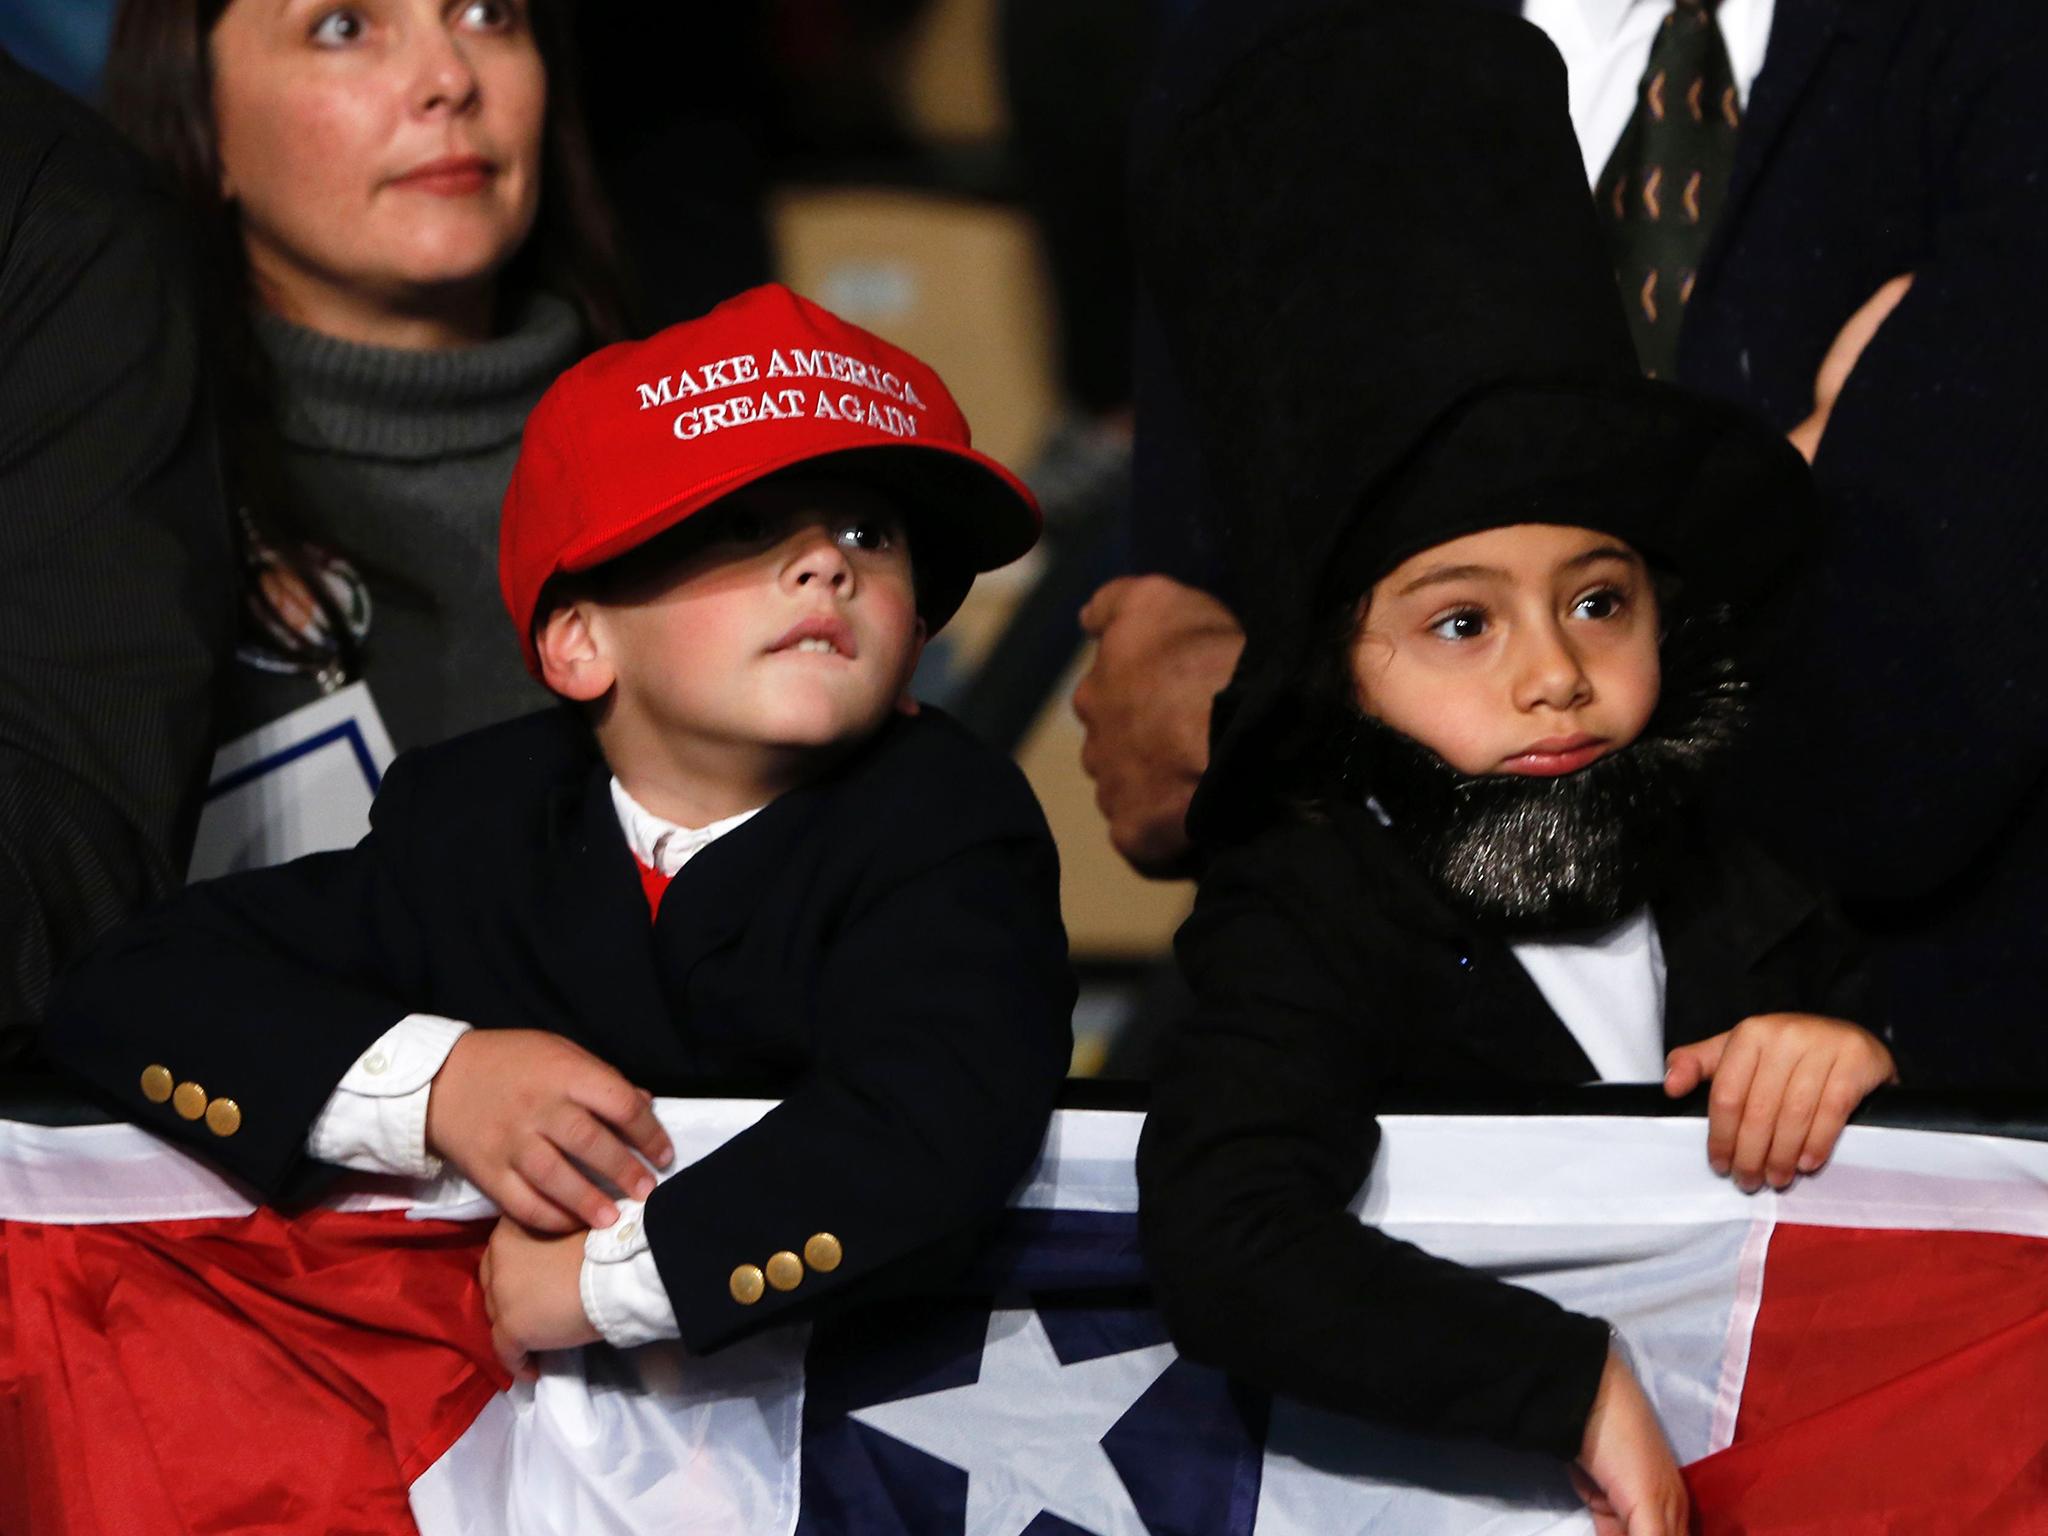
(383, 157)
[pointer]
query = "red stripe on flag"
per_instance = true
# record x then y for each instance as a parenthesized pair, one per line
(255, 1372)
(1898, 1383)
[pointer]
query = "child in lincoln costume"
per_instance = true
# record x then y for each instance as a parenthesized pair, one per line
(1457, 819)
(737, 858)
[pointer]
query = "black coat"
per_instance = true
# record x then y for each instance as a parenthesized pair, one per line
(1327, 977)
(882, 950)
(117, 565)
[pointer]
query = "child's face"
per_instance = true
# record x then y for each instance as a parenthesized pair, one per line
(1527, 650)
(791, 624)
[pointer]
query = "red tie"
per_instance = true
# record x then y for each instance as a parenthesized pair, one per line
(653, 882)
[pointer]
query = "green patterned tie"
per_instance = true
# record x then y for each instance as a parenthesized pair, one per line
(1668, 176)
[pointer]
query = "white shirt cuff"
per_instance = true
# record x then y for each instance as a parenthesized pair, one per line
(376, 1119)
(622, 1291)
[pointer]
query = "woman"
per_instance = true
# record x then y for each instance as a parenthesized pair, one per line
(408, 245)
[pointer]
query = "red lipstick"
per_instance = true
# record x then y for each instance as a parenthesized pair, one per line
(451, 176)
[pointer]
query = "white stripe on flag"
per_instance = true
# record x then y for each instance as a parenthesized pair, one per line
(1474, 1170)
(612, 1443)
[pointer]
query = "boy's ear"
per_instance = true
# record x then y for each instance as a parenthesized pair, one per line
(572, 662)
(905, 703)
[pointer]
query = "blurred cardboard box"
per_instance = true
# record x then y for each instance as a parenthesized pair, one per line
(1112, 912)
(959, 283)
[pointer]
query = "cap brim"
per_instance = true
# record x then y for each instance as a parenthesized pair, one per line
(970, 513)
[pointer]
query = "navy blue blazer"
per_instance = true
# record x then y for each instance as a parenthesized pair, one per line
(881, 950)
(1902, 752)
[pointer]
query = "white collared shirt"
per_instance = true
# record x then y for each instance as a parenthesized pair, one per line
(1606, 45)
(376, 1119)
(1608, 987)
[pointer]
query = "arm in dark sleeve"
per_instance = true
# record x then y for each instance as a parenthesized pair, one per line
(1261, 1133)
(949, 1003)
(260, 988)
(1175, 528)
(116, 571)
(1916, 722)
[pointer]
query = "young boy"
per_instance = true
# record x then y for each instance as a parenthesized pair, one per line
(738, 859)
(1457, 813)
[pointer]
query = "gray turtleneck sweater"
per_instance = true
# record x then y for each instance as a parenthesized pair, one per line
(397, 461)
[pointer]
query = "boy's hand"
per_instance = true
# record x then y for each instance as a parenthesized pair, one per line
(533, 1292)
(1784, 1086)
(512, 1107)
(1625, 1471)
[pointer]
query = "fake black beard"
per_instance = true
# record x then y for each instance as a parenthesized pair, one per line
(1519, 855)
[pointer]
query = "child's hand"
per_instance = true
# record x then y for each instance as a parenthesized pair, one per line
(1784, 1086)
(533, 1292)
(1625, 1471)
(512, 1107)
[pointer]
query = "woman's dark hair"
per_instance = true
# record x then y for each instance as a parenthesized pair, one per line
(158, 90)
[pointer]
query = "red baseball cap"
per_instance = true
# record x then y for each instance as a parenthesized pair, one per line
(638, 436)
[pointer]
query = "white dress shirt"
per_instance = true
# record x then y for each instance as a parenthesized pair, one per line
(376, 1120)
(1606, 45)
(1608, 987)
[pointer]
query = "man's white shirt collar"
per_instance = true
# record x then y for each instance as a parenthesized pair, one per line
(1603, 18)
(1606, 44)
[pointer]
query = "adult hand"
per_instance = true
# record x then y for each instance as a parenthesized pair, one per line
(1841, 361)
(1784, 1086)
(1625, 1471)
(533, 1293)
(1164, 652)
(518, 1110)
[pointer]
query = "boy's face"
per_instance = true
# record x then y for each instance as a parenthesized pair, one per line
(788, 622)
(1523, 650)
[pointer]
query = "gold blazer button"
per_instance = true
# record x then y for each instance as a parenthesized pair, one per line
(223, 1117)
(156, 1083)
(823, 1252)
(785, 1270)
(189, 1101)
(746, 1284)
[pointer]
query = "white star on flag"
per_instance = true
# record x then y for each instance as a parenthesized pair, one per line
(1028, 1433)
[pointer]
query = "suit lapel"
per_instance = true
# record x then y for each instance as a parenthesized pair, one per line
(591, 934)
(713, 896)
(1717, 924)
(1512, 1024)
(1496, 1012)
(1802, 32)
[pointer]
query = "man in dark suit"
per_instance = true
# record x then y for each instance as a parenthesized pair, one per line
(1907, 731)
(117, 575)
